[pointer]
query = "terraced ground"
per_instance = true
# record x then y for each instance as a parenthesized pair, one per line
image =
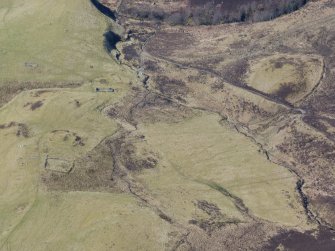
(180, 138)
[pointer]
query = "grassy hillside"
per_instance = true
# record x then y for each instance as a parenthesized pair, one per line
(213, 156)
(185, 159)
(44, 40)
(45, 44)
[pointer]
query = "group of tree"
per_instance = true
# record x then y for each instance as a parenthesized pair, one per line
(212, 12)
(209, 12)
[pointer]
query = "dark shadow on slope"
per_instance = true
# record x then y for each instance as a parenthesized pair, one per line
(111, 39)
(103, 9)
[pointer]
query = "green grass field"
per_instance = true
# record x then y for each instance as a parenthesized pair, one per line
(56, 42)
(46, 125)
(77, 111)
(43, 40)
(201, 156)
(290, 76)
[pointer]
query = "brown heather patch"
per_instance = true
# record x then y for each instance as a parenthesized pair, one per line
(308, 241)
(22, 129)
(36, 105)
(171, 87)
